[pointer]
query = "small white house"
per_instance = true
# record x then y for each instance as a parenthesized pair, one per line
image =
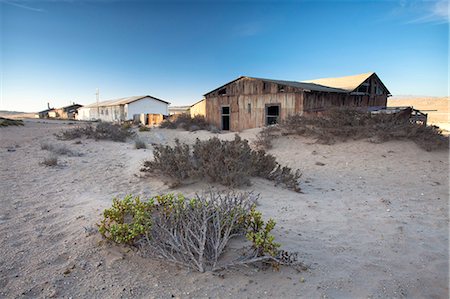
(131, 108)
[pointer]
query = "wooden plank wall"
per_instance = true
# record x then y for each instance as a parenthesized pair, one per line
(256, 93)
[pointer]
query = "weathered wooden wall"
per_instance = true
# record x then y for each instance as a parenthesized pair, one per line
(256, 93)
(244, 91)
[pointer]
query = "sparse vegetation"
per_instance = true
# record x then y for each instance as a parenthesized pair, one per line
(126, 220)
(194, 232)
(343, 124)
(102, 131)
(58, 149)
(50, 161)
(139, 144)
(188, 123)
(5, 122)
(230, 163)
(144, 129)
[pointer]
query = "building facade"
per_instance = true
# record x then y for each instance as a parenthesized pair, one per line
(249, 102)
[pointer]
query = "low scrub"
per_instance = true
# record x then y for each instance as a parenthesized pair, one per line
(344, 124)
(102, 131)
(5, 122)
(194, 232)
(139, 144)
(188, 123)
(58, 149)
(144, 129)
(230, 163)
(50, 161)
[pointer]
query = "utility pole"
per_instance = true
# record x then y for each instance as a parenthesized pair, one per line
(98, 107)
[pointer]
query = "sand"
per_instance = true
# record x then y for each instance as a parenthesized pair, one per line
(372, 222)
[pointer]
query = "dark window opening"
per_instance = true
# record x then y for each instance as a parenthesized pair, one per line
(225, 118)
(249, 108)
(223, 91)
(281, 88)
(272, 114)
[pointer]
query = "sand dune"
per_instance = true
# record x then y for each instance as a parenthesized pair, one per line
(371, 222)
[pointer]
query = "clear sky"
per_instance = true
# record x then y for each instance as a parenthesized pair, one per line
(61, 51)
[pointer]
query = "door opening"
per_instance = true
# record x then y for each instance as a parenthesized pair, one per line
(226, 118)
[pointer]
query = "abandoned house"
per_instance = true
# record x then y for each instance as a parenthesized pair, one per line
(248, 102)
(136, 108)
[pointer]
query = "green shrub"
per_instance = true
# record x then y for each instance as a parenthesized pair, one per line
(230, 163)
(127, 220)
(258, 232)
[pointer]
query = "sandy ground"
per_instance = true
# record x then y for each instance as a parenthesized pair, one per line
(372, 222)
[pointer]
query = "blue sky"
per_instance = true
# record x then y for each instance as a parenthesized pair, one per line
(61, 51)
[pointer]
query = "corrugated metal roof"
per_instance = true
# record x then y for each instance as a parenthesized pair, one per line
(347, 83)
(121, 101)
(303, 85)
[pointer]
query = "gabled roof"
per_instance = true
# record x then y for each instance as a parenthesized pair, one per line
(121, 101)
(302, 85)
(347, 83)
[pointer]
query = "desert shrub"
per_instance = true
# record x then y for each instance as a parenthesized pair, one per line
(186, 122)
(194, 232)
(138, 144)
(5, 122)
(50, 161)
(342, 124)
(127, 220)
(102, 131)
(144, 129)
(58, 149)
(230, 163)
(265, 137)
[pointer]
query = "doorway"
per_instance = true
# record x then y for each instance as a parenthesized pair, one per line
(272, 114)
(225, 118)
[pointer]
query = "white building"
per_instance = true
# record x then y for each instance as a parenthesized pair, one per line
(132, 108)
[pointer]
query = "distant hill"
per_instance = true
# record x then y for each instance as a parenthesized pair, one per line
(16, 114)
(436, 107)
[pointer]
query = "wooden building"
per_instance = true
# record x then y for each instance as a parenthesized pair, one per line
(198, 108)
(248, 102)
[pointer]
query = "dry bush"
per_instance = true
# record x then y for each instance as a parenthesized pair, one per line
(103, 131)
(341, 124)
(265, 137)
(58, 149)
(50, 161)
(230, 163)
(144, 129)
(186, 122)
(139, 144)
(5, 122)
(195, 232)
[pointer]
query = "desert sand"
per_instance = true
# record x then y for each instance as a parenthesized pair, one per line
(372, 221)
